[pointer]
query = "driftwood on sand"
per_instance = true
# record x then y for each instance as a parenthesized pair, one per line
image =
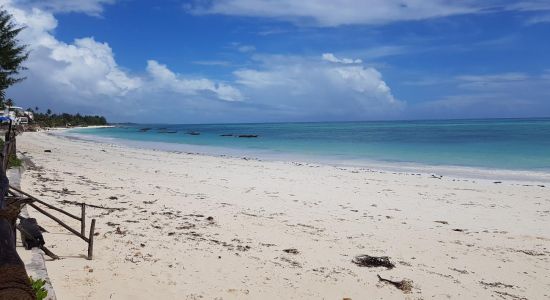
(404, 285)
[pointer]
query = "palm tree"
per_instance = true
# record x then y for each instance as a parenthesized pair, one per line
(12, 54)
(49, 112)
(9, 102)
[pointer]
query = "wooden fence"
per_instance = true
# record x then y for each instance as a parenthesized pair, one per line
(32, 201)
(82, 234)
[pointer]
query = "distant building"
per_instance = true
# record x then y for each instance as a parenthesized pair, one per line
(18, 115)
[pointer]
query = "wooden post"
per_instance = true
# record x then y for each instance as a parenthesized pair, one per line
(91, 241)
(83, 219)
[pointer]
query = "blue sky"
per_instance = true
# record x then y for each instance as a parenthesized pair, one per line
(266, 61)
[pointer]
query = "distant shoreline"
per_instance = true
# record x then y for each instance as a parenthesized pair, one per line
(77, 127)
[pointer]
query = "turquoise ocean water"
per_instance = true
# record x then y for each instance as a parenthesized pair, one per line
(511, 144)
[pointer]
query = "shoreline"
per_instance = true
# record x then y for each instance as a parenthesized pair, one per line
(535, 177)
(57, 129)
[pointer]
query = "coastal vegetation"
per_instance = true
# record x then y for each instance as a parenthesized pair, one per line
(50, 119)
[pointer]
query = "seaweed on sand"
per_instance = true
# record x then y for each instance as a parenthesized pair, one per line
(373, 261)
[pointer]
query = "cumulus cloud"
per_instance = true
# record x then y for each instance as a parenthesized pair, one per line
(350, 12)
(302, 86)
(164, 78)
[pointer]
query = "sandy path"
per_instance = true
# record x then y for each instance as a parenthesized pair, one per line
(161, 245)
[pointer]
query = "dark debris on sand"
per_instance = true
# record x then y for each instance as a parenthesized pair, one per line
(291, 251)
(373, 261)
(404, 285)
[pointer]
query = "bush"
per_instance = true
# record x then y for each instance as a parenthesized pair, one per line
(38, 288)
(13, 161)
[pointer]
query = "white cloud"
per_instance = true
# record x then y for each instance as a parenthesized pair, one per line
(490, 81)
(350, 12)
(308, 86)
(335, 12)
(544, 18)
(246, 48)
(511, 76)
(528, 5)
(89, 67)
(91, 7)
(164, 78)
(331, 58)
(219, 63)
(242, 47)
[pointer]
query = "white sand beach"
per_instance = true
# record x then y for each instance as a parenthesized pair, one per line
(454, 238)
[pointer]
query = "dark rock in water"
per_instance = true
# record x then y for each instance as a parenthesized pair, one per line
(166, 131)
(229, 134)
(145, 129)
(194, 133)
(248, 135)
(373, 261)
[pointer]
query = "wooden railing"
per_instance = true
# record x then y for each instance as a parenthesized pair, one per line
(82, 234)
(25, 198)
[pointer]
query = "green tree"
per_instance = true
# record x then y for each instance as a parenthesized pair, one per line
(12, 53)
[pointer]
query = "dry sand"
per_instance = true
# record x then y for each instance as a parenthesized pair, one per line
(454, 238)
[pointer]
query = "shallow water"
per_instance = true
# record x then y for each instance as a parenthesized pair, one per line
(511, 144)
